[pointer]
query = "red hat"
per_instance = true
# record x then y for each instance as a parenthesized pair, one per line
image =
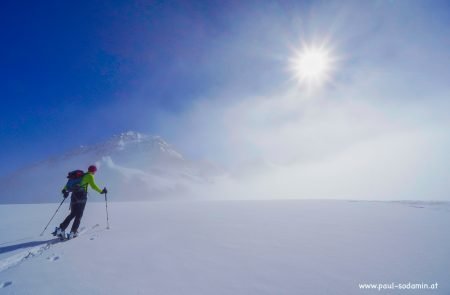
(92, 168)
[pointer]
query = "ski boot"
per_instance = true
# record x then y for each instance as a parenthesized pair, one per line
(59, 233)
(72, 235)
(56, 231)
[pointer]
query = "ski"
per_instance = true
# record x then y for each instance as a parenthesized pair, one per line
(82, 231)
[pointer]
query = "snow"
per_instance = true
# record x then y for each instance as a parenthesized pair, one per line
(228, 247)
(133, 165)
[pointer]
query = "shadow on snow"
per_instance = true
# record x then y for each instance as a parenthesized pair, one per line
(23, 245)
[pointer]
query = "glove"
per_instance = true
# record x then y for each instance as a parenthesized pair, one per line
(65, 193)
(104, 191)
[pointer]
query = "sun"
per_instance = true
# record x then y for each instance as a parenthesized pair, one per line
(311, 65)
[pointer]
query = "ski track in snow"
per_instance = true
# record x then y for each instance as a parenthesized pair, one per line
(5, 284)
(20, 257)
(53, 257)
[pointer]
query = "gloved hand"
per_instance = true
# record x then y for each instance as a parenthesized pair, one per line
(65, 193)
(104, 191)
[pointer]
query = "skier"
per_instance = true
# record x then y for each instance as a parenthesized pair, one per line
(77, 203)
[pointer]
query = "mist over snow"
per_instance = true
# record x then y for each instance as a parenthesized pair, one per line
(272, 148)
(349, 147)
(133, 166)
(379, 129)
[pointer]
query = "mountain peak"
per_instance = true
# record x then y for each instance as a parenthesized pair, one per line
(131, 135)
(129, 161)
(130, 138)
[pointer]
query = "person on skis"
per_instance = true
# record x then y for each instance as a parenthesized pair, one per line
(78, 203)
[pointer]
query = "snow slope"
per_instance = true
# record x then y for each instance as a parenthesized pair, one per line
(133, 165)
(228, 247)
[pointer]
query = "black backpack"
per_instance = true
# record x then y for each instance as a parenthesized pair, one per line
(74, 182)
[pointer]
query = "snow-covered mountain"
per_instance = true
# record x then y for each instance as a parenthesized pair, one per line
(133, 166)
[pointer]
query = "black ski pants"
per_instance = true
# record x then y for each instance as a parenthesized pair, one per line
(77, 205)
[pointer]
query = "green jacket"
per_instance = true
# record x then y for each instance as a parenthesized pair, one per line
(88, 180)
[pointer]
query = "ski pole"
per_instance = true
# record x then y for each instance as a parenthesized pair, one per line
(107, 217)
(52, 217)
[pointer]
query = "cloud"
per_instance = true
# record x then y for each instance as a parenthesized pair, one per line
(332, 146)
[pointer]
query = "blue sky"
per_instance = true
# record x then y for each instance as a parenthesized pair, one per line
(76, 74)
(212, 77)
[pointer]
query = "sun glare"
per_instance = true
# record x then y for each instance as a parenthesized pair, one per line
(311, 66)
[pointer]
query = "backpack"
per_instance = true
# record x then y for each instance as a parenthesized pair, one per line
(75, 177)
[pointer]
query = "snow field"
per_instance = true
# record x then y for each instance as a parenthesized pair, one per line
(228, 247)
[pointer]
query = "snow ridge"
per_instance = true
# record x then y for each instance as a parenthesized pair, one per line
(124, 140)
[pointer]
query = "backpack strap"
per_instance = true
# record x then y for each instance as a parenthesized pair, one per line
(85, 186)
